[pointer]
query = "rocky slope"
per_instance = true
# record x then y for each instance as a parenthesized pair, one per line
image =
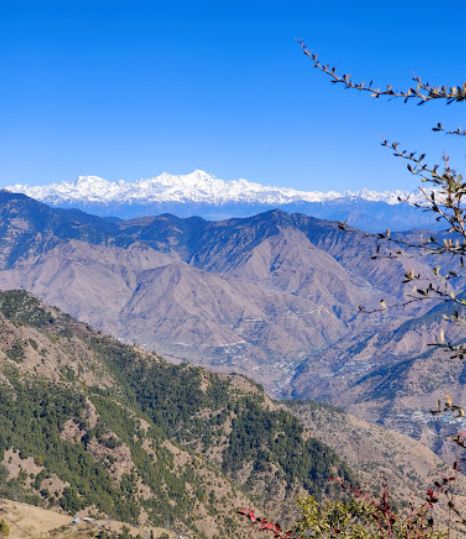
(377, 454)
(395, 378)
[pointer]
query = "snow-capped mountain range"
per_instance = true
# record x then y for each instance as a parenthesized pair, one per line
(197, 187)
(203, 195)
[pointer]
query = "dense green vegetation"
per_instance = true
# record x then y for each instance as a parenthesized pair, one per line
(275, 437)
(174, 397)
(33, 416)
(22, 308)
(170, 394)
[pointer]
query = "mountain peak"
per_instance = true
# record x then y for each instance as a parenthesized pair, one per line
(91, 180)
(197, 186)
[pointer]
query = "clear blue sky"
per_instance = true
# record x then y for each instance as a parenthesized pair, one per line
(130, 89)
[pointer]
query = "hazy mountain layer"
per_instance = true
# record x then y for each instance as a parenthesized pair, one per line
(202, 194)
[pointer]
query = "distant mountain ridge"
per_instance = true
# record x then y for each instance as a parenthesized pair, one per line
(198, 186)
(200, 193)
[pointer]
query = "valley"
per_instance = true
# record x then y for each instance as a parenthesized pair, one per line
(274, 297)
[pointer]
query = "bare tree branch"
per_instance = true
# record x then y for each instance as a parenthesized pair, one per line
(459, 131)
(422, 92)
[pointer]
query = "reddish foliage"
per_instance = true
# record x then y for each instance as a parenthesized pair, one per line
(384, 516)
(266, 525)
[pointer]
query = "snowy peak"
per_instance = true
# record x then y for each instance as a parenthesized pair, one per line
(196, 187)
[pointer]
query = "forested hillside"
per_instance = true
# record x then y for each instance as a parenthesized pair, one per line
(90, 424)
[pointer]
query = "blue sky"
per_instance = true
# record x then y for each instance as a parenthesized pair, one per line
(130, 89)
